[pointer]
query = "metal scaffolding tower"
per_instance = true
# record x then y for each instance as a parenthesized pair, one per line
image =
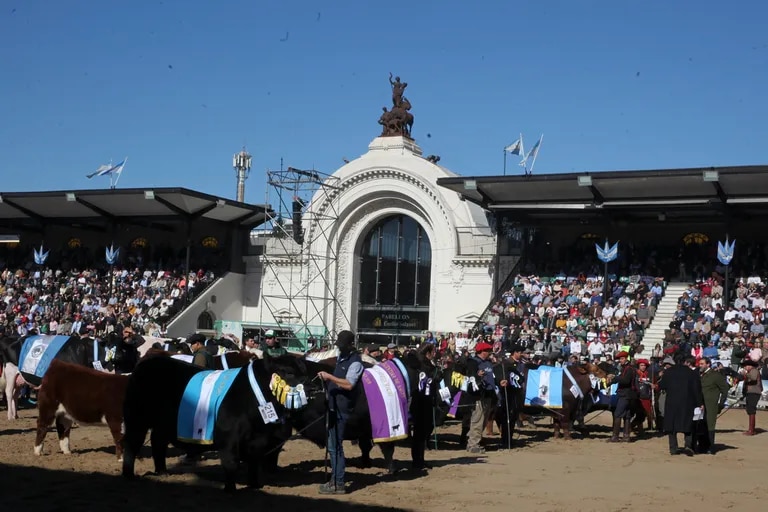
(298, 253)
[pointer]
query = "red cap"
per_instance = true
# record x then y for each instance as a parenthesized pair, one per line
(483, 347)
(621, 354)
(643, 361)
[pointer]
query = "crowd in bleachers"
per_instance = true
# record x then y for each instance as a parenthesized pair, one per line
(560, 318)
(706, 327)
(56, 301)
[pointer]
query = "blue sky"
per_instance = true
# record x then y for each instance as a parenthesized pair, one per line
(179, 86)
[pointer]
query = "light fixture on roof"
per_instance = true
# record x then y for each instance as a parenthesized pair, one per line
(149, 194)
(71, 197)
(221, 203)
(470, 185)
(1, 199)
(584, 181)
(9, 239)
(710, 176)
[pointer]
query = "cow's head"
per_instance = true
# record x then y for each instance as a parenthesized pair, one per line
(293, 380)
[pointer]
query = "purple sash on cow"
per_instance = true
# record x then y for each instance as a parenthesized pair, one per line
(385, 390)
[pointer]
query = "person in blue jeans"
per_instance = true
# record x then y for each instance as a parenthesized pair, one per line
(343, 390)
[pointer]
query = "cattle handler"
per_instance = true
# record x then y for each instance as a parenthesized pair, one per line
(343, 389)
(200, 356)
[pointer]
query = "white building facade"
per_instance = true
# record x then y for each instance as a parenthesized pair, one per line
(400, 255)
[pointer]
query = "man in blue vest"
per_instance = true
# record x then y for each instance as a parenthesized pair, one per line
(343, 390)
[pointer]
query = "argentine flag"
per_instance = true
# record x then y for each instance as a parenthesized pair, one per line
(108, 169)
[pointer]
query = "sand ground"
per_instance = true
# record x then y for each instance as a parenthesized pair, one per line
(539, 474)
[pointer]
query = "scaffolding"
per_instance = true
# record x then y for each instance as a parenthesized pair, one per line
(298, 254)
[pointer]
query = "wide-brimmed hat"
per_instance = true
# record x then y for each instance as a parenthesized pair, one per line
(749, 362)
(622, 354)
(668, 360)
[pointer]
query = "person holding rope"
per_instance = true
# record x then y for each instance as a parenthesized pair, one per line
(482, 391)
(343, 389)
(626, 393)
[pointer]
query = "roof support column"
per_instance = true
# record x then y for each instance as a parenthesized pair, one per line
(186, 262)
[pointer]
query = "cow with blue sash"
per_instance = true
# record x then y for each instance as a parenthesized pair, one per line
(232, 411)
(556, 392)
(26, 359)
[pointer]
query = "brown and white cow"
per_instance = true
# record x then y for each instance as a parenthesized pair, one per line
(71, 393)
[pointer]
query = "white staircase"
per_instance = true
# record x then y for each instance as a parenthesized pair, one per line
(665, 312)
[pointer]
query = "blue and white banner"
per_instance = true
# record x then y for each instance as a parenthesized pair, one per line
(725, 251)
(37, 352)
(200, 405)
(112, 254)
(40, 256)
(544, 387)
(607, 254)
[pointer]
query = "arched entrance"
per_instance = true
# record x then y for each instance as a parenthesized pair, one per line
(395, 278)
(205, 321)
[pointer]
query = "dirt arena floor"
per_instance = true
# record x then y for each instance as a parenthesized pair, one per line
(540, 474)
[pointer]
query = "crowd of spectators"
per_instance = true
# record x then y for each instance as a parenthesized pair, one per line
(56, 301)
(704, 326)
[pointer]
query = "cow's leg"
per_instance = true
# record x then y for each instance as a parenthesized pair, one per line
(365, 445)
(567, 428)
(116, 429)
(133, 440)
(229, 462)
(11, 390)
(46, 414)
(556, 426)
(63, 428)
(388, 450)
(159, 445)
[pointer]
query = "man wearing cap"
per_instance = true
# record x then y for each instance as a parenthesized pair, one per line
(272, 346)
(481, 369)
(753, 388)
(200, 356)
(626, 393)
(343, 390)
(683, 394)
(644, 392)
(391, 352)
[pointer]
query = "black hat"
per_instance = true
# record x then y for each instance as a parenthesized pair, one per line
(516, 348)
(345, 339)
(196, 338)
(374, 348)
(749, 362)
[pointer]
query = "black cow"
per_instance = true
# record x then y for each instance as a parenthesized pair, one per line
(309, 420)
(240, 433)
(74, 351)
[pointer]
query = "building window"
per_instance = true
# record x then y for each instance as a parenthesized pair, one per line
(205, 321)
(396, 264)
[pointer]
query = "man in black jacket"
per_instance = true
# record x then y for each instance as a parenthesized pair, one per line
(682, 385)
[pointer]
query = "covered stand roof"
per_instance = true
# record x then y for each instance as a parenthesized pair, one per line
(676, 192)
(119, 205)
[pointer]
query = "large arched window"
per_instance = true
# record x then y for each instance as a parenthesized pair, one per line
(396, 265)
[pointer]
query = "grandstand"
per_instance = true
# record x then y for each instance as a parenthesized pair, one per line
(180, 250)
(667, 223)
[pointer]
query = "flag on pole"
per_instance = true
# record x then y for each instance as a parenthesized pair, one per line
(534, 150)
(516, 148)
(107, 169)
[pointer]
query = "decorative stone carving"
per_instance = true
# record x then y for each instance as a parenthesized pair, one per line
(345, 269)
(457, 275)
